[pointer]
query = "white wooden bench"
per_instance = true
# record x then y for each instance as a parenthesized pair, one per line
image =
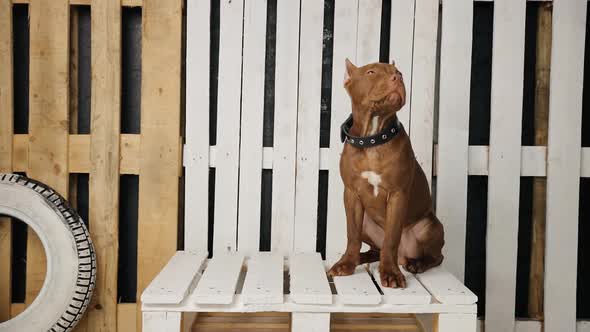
(234, 283)
(292, 278)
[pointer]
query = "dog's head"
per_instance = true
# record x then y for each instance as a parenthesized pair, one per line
(378, 87)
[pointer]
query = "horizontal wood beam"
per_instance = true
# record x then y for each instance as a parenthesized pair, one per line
(79, 153)
(124, 3)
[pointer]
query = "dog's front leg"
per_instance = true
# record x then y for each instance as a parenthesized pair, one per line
(397, 207)
(354, 228)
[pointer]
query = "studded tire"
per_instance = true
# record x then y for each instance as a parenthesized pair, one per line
(71, 260)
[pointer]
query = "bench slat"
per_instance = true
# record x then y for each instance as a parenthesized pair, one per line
(218, 284)
(445, 288)
(357, 288)
(173, 282)
(414, 293)
(264, 280)
(309, 283)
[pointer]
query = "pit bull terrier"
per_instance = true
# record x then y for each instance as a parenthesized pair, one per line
(386, 196)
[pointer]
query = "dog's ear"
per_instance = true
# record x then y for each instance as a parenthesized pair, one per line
(393, 62)
(350, 68)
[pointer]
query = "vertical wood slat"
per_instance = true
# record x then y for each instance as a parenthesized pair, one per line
(504, 162)
(453, 132)
(400, 49)
(104, 159)
(563, 164)
(160, 131)
(48, 117)
(228, 125)
(369, 32)
(196, 153)
(251, 126)
(345, 31)
(308, 125)
(423, 82)
(285, 123)
(6, 131)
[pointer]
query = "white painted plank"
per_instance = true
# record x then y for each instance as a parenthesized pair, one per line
(414, 293)
(309, 283)
(264, 279)
(308, 124)
(504, 163)
(251, 127)
(457, 322)
(161, 321)
(533, 161)
(400, 49)
(172, 284)
(583, 326)
(228, 124)
(423, 83)
(369, 32)
(218, 283)
(285, 126)
(196, 151)
(310, 322)
(453, 129)
(563, 164)
(478, 159)
(345, 27)
(357, 288)
(528, 326)
(445, 287)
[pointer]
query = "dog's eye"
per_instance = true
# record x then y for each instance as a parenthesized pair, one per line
(370, 72)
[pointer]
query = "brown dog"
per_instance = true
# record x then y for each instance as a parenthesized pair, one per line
(386, 196)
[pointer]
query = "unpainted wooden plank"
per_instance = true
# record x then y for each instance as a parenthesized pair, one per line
(368, 32)
(79, 159)
(264, 279)
(103, 209)
(219, 281)
(414, 293)
(172, 284)
(126, 317)
(6, 131)
(453, 130)
(358, 288)
(124, 3)
(254, 51)
(563, 164)
(400, 49)
(228, 125)
(308, 125)
(309, 283)
(196, 150)
(160, 153)
(345, 30)
(504, 163)
(130, 145)
(445, 287)
(48, 116)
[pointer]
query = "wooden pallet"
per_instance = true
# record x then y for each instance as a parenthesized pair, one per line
(266, 282)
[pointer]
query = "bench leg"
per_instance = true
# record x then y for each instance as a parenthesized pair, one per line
(457, 322)
(310, 322)
(154, 321)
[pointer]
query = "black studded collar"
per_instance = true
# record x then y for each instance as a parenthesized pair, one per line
(387, 134)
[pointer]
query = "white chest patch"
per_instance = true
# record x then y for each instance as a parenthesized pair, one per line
(374, 179)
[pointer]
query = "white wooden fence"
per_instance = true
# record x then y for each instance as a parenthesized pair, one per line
(296, 156)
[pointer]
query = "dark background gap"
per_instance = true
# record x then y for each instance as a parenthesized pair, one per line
(19, 260)
(128, 216)
(586, 90)
(327, 54)
(82, 198)
(322, 212)
(131, 70)
(20, 74)
(523, 259)
(385, 32)
(213, 78)
(583, 291)
(84, 70)
(266, 210)
(211, 214)
(269, 74)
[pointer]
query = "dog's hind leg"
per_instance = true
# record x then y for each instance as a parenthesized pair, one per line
(429, 235)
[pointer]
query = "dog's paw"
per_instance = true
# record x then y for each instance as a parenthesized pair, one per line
(415, 266)
(342, 268)
(391, 276)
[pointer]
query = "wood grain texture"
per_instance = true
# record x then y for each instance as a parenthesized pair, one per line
(104, 160)
(6, 130)
(126, 317)
(160, 129)
(48, 115)
(504, 163)
(563, 164)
